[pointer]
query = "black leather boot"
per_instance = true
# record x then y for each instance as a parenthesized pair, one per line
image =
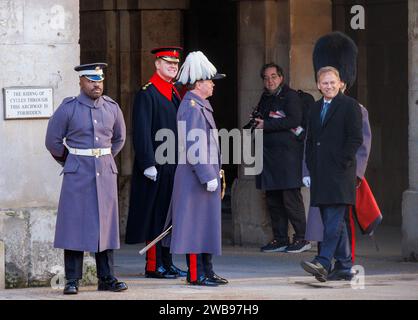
(110, 283)
(203, 281)
(217, 279)
(161, 273)
(71, 286)
(177, 271)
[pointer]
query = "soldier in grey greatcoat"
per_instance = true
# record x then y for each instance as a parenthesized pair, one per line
(195, 210)
(84, 135)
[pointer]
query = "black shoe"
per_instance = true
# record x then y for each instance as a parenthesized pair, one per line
(299, 246)
(161, 273)
(178, 272)
(71, 287)
(217, 279)
(341, 274)
(275, 246)
(316, 269)
(203, 281)
(110, 283)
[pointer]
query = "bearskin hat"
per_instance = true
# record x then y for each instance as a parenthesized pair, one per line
(337, 50)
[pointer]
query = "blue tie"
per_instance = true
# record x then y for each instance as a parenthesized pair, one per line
(324, 111)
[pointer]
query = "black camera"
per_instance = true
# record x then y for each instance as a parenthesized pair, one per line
(252, 124)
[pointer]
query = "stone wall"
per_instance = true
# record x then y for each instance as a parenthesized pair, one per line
(38, 47)
(410, 196)
(30, 259)
(28, 236)
(2, 266)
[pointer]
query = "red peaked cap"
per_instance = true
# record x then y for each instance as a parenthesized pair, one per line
(170, 54)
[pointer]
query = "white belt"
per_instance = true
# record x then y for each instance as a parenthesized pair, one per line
(90, 152)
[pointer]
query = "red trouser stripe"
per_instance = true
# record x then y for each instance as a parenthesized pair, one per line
(353, 235)
(152, 259)
(193, 267)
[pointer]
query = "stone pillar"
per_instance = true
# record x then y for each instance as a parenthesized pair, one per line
(410, 196)
(2, 267)
(262, 37)
(283, 32)
(39, 47)
(308, 22)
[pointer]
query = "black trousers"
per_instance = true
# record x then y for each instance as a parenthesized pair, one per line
(285, 206)
(74, 264)
(158, 256)
(199, 265)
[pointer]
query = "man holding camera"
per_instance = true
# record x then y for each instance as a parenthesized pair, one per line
(281, 112)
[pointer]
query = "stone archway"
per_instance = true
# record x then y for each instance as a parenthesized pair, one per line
(122, 33)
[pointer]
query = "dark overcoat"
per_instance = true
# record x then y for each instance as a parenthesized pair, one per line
(195, 212)
(88, 218)
(150, 200)
(282, 150)
(314, 225)
(331, 151)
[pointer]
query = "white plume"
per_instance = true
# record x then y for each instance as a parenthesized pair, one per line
(196, 67)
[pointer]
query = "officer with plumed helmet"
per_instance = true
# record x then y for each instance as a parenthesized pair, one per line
(195, 210)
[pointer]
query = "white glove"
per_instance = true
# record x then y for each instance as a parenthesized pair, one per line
(151, 173)
(307, 181)
(212, 185)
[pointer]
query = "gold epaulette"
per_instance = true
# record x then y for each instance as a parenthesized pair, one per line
(146, 86)
(192, 103)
